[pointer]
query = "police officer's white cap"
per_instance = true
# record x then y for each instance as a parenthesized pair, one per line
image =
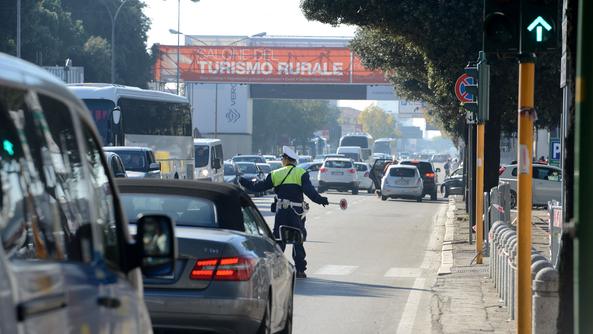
(287, 151)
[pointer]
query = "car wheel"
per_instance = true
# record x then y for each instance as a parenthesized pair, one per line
(433, 196)
(419, 199)
(383, 198)
(288, 323)
(266, 323)
(513, 199)
(354, 191)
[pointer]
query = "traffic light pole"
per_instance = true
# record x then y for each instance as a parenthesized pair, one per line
(479, 191)
(525, 158)
(583, 180)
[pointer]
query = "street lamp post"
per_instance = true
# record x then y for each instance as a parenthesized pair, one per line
(18, 28)
(113, 18)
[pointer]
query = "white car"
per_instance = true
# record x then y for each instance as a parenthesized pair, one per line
(339, 174)
(546, 185)
(313, 169)
(363, 170)
(402, 181)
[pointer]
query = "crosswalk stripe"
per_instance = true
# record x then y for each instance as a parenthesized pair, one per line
(403, 272)
(336, 270)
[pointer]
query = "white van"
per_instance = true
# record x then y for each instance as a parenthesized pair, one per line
(208, 163)
(352, 152)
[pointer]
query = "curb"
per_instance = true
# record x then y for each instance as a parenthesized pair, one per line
(447, 249)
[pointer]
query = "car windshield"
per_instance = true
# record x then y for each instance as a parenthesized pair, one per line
(133, 160)
(247, 168)
(229, 169)
(184, 210)
(202, 154)
(264, 168)
(402, 172)
(275, 164)
(338, 164)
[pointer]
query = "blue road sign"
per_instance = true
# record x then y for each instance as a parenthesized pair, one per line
(555, 152)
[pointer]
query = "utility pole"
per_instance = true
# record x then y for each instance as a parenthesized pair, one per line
(113, 18)
(583, 180)
(524, 195)
(178, 29)
(18, 28)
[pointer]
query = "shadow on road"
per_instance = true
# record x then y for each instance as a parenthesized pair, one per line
(323, 287)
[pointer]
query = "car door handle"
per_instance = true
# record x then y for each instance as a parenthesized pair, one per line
(40, 305)
(109, 302)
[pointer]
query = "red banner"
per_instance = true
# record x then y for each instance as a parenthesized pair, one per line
(263, 65)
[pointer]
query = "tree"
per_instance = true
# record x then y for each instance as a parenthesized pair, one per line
(377, 122)
(289, 122)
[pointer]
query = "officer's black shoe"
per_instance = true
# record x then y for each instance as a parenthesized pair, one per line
(301, 274)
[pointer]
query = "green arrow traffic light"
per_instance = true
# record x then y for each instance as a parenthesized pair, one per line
(8, 147)
(539, 24)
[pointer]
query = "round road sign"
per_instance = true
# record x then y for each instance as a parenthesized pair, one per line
(462, 95)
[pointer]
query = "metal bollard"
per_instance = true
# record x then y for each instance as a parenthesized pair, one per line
(513, 261)
(496, 227)
(545, 301)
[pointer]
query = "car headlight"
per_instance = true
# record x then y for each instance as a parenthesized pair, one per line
(254, 180)
(204, 173)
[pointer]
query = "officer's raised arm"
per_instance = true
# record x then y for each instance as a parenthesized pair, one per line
(258, 186)
(310, 191)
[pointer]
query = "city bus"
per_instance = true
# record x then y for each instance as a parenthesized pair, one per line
(362, 140)
(130, 116)
(387, 146)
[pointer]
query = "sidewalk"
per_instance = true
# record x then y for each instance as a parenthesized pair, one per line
(465, 300)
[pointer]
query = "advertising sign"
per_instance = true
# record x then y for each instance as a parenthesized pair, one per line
(263, 65)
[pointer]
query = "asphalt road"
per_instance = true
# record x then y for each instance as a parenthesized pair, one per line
(370, 268)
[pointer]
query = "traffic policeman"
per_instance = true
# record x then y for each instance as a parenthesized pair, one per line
(289, 183)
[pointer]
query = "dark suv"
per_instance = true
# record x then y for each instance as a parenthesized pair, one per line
(428, 174)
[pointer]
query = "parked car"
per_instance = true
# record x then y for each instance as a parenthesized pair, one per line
(67, 262)
(339, 174)
(546, 184)
(402, 181)
(363, 171)
(429, 176)
(231, 275)
(454, 184)
(138, 161)
(115, 164)
(208, 159)
(313, 169)
(231, 174)
(258, 159)
(250, 171)
(275, 164)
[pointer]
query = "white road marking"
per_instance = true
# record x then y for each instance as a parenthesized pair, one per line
(406, 323)
(404, 272)
(335, 270)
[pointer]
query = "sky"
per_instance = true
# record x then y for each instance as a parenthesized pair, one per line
(238, 17)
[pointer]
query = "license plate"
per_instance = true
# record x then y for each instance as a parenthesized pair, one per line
(401, 182)
(337, 173)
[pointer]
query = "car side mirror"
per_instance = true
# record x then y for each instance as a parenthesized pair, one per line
(155, 237)
(290, 235)
(154, 166)
(216, 163)
(438, 170)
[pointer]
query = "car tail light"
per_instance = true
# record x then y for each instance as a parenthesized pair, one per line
(322, 170)
(225, 269)
(429, 174)
(366, 174)
(351, 171)
(501, 170)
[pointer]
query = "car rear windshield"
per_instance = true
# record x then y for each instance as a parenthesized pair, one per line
(402, 172)
(338, 164)
(183, 210)
(423, 167)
